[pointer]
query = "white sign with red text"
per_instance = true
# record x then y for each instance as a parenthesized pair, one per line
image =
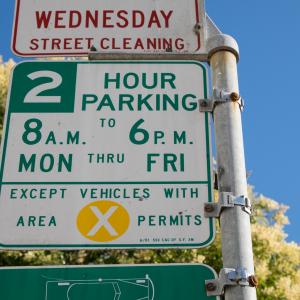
(68, 28)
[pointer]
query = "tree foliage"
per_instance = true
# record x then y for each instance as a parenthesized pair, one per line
(5, 69)
(277, 261)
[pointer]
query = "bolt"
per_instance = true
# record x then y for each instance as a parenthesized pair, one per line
(221, 171)
(234, 97)
(197, 27)
(253, 281)
(209, 208)
(203, 103)
(210, 287)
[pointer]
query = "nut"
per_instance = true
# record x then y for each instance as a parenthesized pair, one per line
(209, 208)
(253, 281)
(234, 97)
(210, 287)
(203, 103)
(169, 49)
(93, 49)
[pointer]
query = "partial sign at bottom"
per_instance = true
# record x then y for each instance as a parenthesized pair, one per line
(118, 282)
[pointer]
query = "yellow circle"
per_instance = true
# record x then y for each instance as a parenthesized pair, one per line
(103, 221)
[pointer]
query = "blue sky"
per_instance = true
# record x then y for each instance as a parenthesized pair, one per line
(269, 38)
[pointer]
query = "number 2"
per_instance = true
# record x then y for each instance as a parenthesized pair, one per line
(33, 95)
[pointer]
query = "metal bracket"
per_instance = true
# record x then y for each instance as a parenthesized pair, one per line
(211, 28)
(220, 96)
(227, 200)
(227, 277)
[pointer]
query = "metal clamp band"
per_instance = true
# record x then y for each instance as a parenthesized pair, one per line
(227, 277)
(227, 200)
(220, 96)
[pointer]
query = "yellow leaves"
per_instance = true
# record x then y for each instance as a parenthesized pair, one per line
(5, 69)
(276, 261)
(272, 234)
(262, 269)
(267, 211)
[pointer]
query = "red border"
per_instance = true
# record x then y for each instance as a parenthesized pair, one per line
(16, 24)
(15, 32)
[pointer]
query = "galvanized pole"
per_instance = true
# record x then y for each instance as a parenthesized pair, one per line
(235, 222)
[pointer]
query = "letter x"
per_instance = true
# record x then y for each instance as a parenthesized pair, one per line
(103, 221)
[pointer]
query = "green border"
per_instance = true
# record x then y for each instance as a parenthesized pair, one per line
(106, 182)
(118, 246)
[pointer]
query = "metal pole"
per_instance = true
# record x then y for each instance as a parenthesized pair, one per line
(235, 222)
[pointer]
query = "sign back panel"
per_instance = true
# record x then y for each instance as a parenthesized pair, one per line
(63, 27)
(106, 155)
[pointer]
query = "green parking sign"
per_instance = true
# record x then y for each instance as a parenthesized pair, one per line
(106, 155)
(147, 282)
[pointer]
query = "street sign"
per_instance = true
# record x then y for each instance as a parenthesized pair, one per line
(63, 27)
(106, 155)
(115, 282)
